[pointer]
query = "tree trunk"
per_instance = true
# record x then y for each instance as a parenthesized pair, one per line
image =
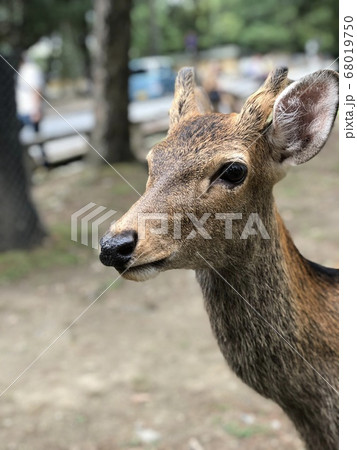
(111, 73)
(20, 226)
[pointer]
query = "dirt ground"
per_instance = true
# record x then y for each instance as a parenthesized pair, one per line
(139, 369)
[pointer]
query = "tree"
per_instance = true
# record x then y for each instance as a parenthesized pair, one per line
(272, 25)
(111, 73)
(20, 226)
(22, 24)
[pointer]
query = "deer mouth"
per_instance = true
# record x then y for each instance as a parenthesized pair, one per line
(142, 272)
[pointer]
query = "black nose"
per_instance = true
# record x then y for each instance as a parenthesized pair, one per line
(117, 250)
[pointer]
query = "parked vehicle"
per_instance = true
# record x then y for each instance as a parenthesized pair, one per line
(150, 77)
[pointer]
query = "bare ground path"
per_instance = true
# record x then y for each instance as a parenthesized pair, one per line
(139, 370)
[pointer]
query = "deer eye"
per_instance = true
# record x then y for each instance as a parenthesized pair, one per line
(232, 174)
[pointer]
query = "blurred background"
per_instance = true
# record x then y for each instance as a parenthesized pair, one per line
(85, 89)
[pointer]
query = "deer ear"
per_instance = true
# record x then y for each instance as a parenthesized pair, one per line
(303, 116)
(188, 100)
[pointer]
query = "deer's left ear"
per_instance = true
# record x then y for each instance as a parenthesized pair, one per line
(189, 100)
(303, 116)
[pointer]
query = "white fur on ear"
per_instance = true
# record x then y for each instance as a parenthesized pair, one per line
(303, 116)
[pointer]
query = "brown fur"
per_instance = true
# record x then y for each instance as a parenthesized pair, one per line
(274, 314)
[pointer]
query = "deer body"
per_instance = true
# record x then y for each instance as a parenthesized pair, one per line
(273, 313)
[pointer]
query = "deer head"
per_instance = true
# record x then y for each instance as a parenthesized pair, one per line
(216, 169)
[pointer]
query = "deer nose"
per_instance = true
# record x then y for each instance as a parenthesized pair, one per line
(117, 250)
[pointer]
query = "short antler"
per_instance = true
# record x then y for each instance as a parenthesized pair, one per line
(189, 99)
(259, 105)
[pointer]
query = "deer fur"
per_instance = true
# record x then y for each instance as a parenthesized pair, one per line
(273, 312)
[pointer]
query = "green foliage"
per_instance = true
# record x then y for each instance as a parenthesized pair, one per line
(160, 26)
(256, 27)
(23, 23)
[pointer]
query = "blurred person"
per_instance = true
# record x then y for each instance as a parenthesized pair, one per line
(30, 84)
(257, 68)
(210, 84)
(191, 43)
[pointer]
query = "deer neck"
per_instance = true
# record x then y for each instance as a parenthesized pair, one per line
(263, 271)
(263, 303)
(277, 328)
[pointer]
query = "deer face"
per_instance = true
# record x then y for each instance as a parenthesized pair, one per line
(213, 171)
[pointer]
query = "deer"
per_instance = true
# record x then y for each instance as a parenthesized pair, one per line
(273, 312)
